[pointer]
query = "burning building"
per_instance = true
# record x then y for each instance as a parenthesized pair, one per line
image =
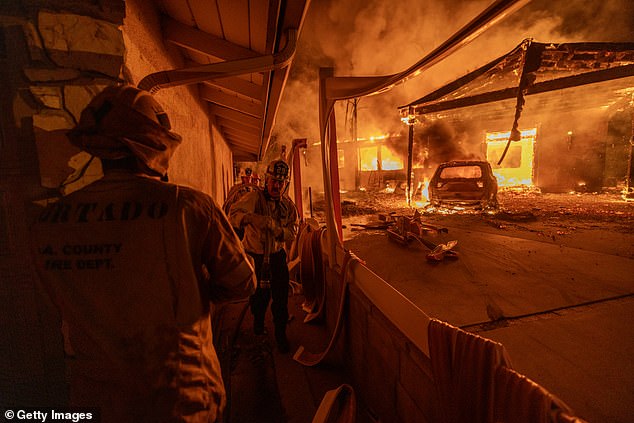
(556, 116)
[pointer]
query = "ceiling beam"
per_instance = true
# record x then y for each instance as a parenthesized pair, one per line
(244, 157)
(241, 136)
(233, 115)
(230, 101)
(196, 40)
(238, 85)
(236, 132)
(245, 145)
(222, 122)
(249, 149)
(242, 147)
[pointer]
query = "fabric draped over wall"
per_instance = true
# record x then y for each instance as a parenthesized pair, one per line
(475, 382)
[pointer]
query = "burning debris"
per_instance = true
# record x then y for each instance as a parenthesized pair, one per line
(404, 229)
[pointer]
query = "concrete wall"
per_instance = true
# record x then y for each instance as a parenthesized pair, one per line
(54, 57)
(391, 375)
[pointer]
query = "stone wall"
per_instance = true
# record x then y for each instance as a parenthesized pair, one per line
(34, 161)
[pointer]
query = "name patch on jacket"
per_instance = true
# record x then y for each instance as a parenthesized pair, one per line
(99, 212)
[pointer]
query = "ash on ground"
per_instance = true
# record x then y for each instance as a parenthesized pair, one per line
(523, 209)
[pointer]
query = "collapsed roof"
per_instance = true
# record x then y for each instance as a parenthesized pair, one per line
(533, 68)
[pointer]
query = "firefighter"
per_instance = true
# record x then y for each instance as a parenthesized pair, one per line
(134, 265)
(269, 220)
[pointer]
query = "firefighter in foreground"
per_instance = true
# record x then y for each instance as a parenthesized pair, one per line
(133, 263)
(269, 220)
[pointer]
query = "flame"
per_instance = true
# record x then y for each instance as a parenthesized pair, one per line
(390, 160)
(369, 158)
(423, 199)
(517, 167)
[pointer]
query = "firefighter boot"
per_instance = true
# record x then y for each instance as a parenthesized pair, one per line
(281, 339)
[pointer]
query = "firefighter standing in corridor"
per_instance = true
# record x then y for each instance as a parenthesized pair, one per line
(269, 220)
(133, 264)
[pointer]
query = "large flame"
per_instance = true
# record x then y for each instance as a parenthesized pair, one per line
(422, 199)
(390, 160)
(369, 158)
(517, 167)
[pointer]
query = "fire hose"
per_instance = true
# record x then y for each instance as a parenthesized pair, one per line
(308, 358)
(312, 273)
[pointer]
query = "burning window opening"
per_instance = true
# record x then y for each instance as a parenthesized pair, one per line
(369, 158)
(516, 170)
(390, 160)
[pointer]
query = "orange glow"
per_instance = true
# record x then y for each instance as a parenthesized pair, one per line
(390, 160)
(423, 199)
(517, 166)
(369, 158)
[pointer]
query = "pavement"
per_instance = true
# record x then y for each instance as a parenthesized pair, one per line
(562, 312)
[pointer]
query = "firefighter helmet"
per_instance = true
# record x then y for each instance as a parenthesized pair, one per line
(123, 121)
(278, 170)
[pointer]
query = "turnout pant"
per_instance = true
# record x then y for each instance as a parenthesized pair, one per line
(278, 292)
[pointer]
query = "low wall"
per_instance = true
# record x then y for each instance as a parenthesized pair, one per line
(383, 346)
(385, 350)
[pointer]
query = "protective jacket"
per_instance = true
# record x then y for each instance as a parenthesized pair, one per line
(283, 213)
(133, 263)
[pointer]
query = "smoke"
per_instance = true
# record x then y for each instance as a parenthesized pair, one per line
(378, 37)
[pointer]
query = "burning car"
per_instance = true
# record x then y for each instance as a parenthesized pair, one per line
(463, 183)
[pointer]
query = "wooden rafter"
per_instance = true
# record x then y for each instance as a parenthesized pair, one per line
(193, 39)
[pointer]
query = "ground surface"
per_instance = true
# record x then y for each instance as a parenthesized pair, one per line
(548, 275)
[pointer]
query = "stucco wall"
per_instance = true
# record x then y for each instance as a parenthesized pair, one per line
(199, 160)
(223, 169)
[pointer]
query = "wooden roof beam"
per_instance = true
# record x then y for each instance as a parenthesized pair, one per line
(199, 41)
(238, 85)
(236, 116)
(247, 146)
(542, 87)
(212, 95)
(250, 139)
(230, 124)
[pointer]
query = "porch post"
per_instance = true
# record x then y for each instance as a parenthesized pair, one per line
(410, 148)
(297, 176)
(334, 173)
